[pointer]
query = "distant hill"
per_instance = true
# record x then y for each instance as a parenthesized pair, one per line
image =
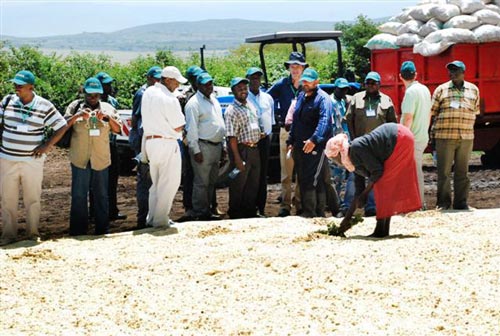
(176, 36)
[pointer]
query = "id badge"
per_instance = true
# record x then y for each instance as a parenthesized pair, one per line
(455, 104)
(371, 113)
(22, 128)
(94, 132)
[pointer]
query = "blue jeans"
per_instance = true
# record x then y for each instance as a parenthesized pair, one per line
(350, 190)
(81, 180)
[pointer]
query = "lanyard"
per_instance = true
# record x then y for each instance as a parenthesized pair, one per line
(26, 110)
(294, 91)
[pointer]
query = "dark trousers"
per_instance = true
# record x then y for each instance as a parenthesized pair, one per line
(142, 192)
(81, 181)
(187, 178)
(264, 149)
(451, 152)
(311, 178)
(244, 187)
(332, 197)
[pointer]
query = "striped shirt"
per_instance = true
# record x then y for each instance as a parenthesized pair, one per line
(23, 128)
(455, 111)
(242, 122)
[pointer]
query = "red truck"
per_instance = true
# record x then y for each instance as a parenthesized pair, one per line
(482, 63)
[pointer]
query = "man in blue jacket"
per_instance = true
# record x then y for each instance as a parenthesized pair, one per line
(311, 128)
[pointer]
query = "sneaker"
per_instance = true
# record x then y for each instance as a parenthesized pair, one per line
(284, 213)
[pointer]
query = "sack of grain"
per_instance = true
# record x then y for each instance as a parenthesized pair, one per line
(429, 27)
(408, 40)
(445, 12)
(452, 35)
(390, 27)
(487, 16)
(412, 27)
(487, 33)
(493, 7)
(468, 6)
(425, 48)
(462, 21)
(382, 41)
(422, 12)
(402, 17)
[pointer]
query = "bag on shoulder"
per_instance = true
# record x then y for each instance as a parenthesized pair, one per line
(65, 141)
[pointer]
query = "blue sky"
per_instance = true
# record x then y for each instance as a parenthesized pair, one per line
(45, 18)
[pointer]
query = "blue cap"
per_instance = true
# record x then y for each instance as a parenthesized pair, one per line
(296, 58)
(254, 70)
(23, 77)
(309, 75)
(408, 67)
(104, 78)
(373, 76)
(92, 85)
(194, 71)
(204, 78)
(458, 64)
(154, 71)
(237, 80)
(341, 83)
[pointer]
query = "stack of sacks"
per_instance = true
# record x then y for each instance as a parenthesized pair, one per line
(434, 25)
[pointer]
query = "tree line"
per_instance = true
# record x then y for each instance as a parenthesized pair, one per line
(59, 78)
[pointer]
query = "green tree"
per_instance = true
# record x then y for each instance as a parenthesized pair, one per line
(353, 39)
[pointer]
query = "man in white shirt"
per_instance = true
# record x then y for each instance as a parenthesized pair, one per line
(205, 134)
(264, 103)
(163, 122)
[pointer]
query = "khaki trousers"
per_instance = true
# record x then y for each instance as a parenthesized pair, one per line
(28, 175)
(287, 175)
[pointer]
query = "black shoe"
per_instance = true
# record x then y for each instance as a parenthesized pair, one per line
(186, 218)
(370, 213)
(210, 217)
(118, 216)
(284, 213)
(461, 207)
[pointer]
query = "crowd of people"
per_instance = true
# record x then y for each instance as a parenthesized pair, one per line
(333, 143)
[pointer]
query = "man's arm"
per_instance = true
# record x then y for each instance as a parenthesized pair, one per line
(233, 146)
(407, 120)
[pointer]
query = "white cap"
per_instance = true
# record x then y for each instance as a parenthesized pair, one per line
(173, 72)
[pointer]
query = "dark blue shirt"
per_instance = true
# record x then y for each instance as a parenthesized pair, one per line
(283, 92)
(137, 100)
(312, 119)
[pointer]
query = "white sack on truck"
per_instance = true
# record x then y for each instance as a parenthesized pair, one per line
(487, 33)
(462, 21)
(412, 26)
(452, 35)
(390, 27)
(445, 12)
(468, 6)
(422, 12)
(402, 17)
(408, 40)
(493, 7)
(425, 48)
(429, 27)
(382, 41)
(487, 16)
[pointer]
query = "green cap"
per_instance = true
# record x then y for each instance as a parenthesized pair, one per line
(204, 78)
(408, 67)
(104, 78)
(309, 75)
(237, 80)
(194, 71)
(341, 83)
(23, 77)
(154, 71)
(373, 76)
(254, 70)
(92, 85)
(457, 64)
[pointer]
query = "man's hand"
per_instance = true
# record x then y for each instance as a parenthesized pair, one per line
(198, 157)
(239, 164)
(308, 146)
(42, 149)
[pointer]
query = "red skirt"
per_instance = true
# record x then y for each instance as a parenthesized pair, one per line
(396, 191)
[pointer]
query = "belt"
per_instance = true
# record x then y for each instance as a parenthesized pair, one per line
(250, 144)
(149, 137)
(209, 142)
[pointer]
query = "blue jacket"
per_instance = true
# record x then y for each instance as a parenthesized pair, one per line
(312, 120)
(283, 92)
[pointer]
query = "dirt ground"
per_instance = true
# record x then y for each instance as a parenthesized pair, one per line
(56, 195)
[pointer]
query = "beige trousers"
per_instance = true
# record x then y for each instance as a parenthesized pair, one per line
(28, 175)
(286, 165)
